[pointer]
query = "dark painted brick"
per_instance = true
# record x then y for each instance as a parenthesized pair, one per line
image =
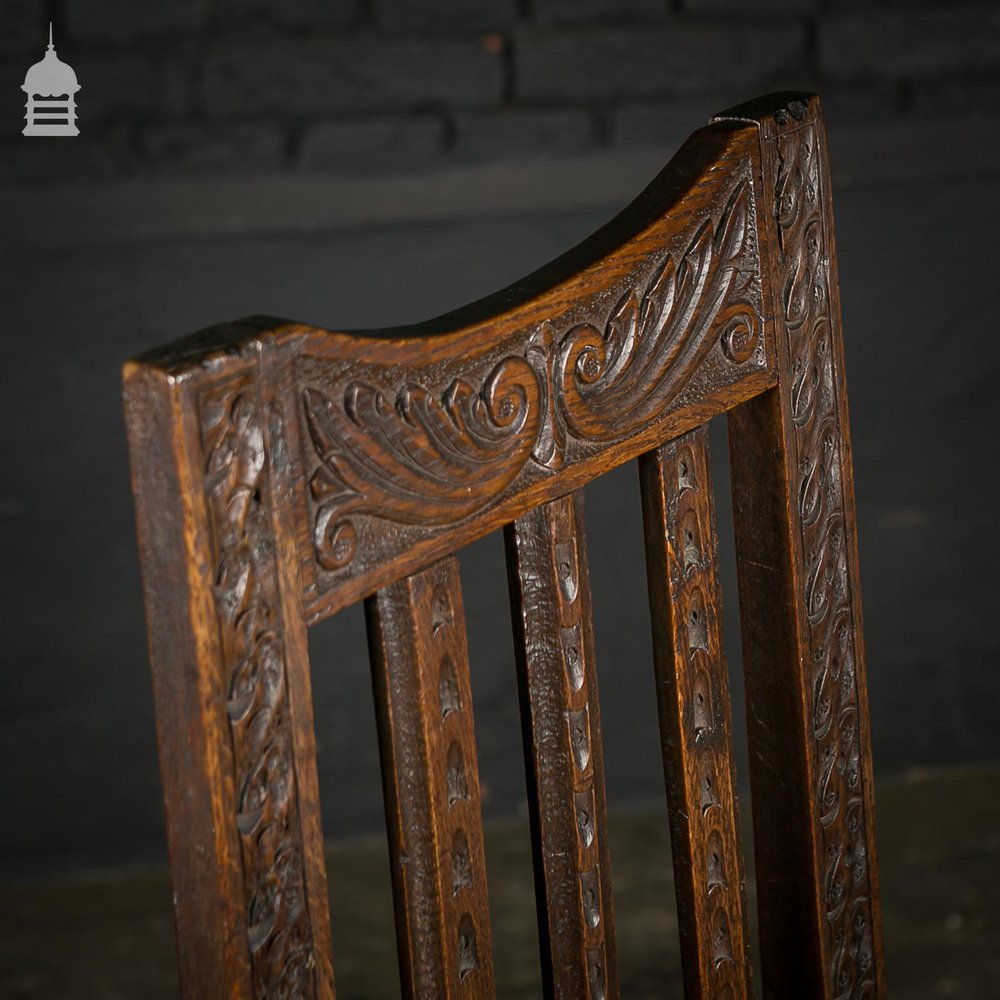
(237, 146)
(580, 11)
(445, 15)
(23, 31)
(388, 143)
(917, 43)
(523, 133)
(295, 13)
(663, 123)
(42, 160)
(760, 8)
(653, 60)
(318, 76)
(124, 21)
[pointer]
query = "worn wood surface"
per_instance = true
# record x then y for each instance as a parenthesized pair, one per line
(692, 694)
(283, 472)
(231, 680)
(416, 440)
(554, 645)
(803, 654)
(423, 704)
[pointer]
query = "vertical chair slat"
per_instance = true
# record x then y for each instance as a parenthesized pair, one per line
(695, 719)
(423, 703)
(550, 605)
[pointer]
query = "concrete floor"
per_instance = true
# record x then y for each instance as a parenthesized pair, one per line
(108, 936)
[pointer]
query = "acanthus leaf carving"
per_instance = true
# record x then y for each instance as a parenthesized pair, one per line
(417, 458)
(410, 456)
(612, 382)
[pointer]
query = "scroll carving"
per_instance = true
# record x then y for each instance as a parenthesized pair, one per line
(610, 381)
(408, 455)
(827, 592)
(237, 490)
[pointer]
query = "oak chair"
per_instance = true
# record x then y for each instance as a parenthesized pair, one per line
(283, 472)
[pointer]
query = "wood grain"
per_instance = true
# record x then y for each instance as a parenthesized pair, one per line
(692, 693)
(232, 686)
(415, 441)
(800, 598)
(424, 708)
(557, 679)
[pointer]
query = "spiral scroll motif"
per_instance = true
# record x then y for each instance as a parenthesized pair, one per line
(412, 456)
(827, 597)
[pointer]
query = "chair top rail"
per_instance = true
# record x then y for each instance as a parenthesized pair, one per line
(407, 443)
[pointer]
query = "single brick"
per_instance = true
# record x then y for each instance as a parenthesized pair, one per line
(23, 31)
(916, 43)
(190, 146)
(295, 13)
(309, 76)
(654, 60)
(446, 15)
(520, 133)
(581, 11)
(760, 8)
(125, 21)
(664, 123)
(387, 143)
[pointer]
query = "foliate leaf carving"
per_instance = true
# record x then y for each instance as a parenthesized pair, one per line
(267, 819)
(418, 459)
(826, 594)
(610, 382)
(412, 455)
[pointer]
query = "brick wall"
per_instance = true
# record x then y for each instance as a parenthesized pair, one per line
(359, 86)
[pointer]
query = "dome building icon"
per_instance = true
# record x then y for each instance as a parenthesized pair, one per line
(50, 86)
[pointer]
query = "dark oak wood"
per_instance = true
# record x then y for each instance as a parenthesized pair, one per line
(283, 472)
(554, 643)
(803, 653)
(692, 693)
(231, 680)
(424, 705)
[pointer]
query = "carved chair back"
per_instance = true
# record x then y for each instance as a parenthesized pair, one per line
(283, 472)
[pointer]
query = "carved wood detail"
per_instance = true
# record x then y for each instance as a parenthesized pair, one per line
(237, 489)
(827, 586)
(402, 448)
(695, 718)
(431, 781)
(550, 591)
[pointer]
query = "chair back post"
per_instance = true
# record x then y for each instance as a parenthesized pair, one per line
(797, 561)
(227, 636)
